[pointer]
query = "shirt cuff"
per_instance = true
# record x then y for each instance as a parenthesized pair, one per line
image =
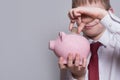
(106, 21)
(111, 22)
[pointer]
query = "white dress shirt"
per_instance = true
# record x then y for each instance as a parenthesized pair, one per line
(109, 52)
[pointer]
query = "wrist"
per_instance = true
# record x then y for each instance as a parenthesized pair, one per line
(104, 13)
(79, 76)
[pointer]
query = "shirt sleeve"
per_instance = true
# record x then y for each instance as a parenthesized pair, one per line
(111, 22)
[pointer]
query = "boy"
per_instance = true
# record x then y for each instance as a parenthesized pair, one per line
(97, 22)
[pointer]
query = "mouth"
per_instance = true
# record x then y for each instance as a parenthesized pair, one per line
(87, 27)
(91, 25)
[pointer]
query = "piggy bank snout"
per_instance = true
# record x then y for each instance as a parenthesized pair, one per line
(52, 45)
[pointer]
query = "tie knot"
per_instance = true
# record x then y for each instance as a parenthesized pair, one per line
(94, 46)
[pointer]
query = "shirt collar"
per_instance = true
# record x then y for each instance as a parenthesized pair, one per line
(104, 39)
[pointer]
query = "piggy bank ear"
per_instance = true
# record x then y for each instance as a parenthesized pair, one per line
(62, 35)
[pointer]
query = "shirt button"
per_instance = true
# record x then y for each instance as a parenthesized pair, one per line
(110, 25)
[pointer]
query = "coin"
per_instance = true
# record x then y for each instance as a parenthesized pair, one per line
(74, 30)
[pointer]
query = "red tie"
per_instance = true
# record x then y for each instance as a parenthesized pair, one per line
(93, 67)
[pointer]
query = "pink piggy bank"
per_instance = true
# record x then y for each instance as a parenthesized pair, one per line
(70, 43)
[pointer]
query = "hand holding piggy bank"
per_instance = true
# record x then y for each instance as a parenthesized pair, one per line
(70, 43)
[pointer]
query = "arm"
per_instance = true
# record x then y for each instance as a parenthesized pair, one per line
(111, 22)
(85, 15)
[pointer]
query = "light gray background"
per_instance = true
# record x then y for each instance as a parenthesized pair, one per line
(26, 26)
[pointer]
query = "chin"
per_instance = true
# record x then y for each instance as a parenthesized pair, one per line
(90, 34)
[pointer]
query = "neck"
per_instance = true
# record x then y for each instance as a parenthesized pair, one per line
(95, 38)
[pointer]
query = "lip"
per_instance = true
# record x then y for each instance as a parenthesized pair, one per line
(88, 27)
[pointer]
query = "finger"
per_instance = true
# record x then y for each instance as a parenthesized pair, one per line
(79, 20)
(84, 62)
(76, 13)
(80, 27)
(82, 65)
(73, 15)
(61, 64)
(70, 14)
(70, 60)
(71, 24)
(77, 60)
